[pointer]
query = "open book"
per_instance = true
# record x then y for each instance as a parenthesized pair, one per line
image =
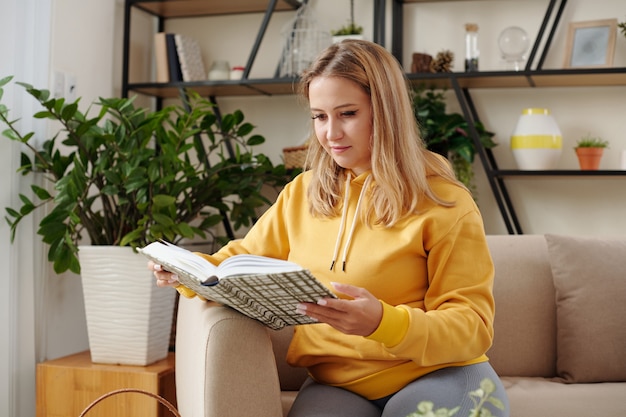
(262, 288)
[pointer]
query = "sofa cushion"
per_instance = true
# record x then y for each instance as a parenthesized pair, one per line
(525, 322)
(539, 397)
(590, 280)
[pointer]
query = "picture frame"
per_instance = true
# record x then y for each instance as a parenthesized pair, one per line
(590, 44)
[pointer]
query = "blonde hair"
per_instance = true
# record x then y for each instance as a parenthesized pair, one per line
(400, 161)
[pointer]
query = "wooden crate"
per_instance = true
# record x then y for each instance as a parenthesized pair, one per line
(66, 386)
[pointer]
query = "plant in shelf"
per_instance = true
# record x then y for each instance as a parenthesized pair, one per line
(589, 151)
(124, 177)
(351, 30)
(448, 133)
(622, 27)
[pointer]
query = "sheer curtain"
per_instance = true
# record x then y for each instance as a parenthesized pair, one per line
(25, 31)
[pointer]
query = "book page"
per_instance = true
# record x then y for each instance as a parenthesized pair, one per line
(254, 264)
(170, 255)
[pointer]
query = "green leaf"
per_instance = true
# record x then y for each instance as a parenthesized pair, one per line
(69, 111)
(4, 81)
(44, 115)
(255, 140)
(63, 259)
(11, 134)
(40, 192)
(163, 219)
(245, 129)
(12, 212)
(131, 237)
(161, 200)
(185, 230)
(496, 403)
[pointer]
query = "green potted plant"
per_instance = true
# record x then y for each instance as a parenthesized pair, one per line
(124, 177)
(448, 133)
(589, 151)
(349, 31)
(622, 27)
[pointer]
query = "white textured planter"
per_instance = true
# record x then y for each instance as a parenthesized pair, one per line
(129, 318)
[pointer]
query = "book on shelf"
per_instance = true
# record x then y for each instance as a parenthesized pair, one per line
(160, 54)
(265, 289)
(168, 67)
(190, 57)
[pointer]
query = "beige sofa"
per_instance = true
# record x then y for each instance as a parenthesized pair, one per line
(560, 344)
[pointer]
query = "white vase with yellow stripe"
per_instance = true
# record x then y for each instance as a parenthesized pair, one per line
(536, 141)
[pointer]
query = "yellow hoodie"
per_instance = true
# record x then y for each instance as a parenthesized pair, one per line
(432, 272)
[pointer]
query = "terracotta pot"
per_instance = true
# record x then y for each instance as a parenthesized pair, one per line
(589, 158)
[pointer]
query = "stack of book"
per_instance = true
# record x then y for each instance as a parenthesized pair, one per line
(178, 58)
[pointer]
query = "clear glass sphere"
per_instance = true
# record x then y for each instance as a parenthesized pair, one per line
(513, 43)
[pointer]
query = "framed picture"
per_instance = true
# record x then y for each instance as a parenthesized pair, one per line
(590, 43)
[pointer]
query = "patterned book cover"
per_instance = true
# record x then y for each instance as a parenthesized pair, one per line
(270, 298)
(190, 58)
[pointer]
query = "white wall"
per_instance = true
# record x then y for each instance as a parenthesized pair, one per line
(47, 320)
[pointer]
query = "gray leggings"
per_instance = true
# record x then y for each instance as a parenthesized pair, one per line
(448, 387)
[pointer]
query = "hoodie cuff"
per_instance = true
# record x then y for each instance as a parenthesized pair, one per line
(393, 326)
(184, 291)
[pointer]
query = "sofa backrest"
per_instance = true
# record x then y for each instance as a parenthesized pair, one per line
(525, 321)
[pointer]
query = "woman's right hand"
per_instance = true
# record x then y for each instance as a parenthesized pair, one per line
(163, 278)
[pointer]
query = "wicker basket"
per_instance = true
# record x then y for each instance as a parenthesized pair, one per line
(160, 399)
(295, 156)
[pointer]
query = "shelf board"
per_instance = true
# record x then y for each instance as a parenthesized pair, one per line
(190, 8)
(557, 173)
(251, 87)
(580, 77)
(522, 79)
(504, 79)
(501, 79)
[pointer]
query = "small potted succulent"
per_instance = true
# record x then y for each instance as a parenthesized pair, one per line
(589, 151)
(350, 30)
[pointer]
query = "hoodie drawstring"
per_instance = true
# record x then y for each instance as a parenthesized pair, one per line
(342, 224)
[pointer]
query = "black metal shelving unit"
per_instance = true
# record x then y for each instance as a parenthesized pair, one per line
(533, 76)
(167, 9)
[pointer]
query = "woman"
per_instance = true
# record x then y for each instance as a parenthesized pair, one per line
(383, 222)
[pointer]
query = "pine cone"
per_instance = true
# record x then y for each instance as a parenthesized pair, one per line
(442, 62)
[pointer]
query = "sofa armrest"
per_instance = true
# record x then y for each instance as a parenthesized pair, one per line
(225, 364)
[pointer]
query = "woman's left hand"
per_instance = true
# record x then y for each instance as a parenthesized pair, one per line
(360, 315)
